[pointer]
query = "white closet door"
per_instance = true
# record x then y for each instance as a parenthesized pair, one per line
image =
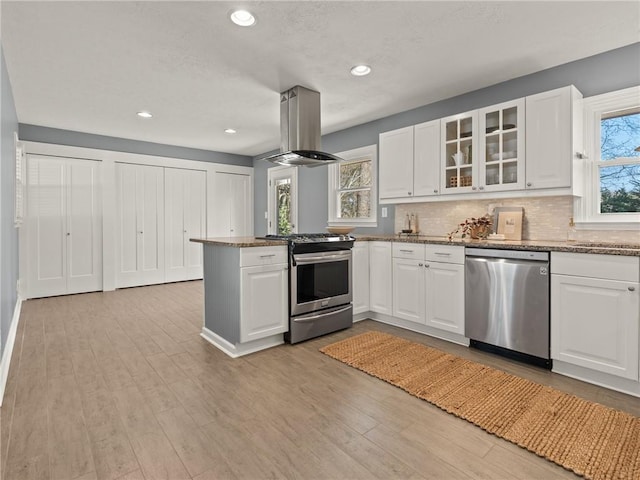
(185, 218)
(64, 222)
(175, 229)
(232, 203)
(140, 195)
(46, 223)
(195, 221)
(151, 223)
(84, 227)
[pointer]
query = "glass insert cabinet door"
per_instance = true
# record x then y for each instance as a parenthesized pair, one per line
(459, 152)
(502, 146)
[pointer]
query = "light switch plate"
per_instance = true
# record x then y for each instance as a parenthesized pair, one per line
(384, 212)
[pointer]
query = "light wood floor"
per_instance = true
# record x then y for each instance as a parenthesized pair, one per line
(119, 385)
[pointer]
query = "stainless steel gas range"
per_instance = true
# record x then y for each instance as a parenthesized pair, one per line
(320, 291)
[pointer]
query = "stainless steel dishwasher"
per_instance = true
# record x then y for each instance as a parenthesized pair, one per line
(507, 303)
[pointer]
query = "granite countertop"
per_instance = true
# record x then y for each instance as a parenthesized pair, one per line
(239, 242)
(534, 245)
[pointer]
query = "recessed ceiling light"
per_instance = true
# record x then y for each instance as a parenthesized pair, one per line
(144, 114)
(230, 131)
(242, 18)
(360, 70)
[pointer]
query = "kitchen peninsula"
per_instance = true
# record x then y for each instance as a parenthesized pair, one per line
(245, 293)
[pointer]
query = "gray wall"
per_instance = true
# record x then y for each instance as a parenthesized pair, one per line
(8, 233)
(35, 133)
(601, 73)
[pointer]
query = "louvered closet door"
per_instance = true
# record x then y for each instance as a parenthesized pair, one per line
(46, 224)
(64, 226)
(185, 218)
(140, 195)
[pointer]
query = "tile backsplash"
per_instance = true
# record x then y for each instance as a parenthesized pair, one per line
(545, 218)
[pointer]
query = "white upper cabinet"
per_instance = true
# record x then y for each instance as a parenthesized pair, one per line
(64, 226)
(524, 144)
(459, 154)
(396, 163)
(410, 161)
(553, 123)
(426, 159)
(502, 146)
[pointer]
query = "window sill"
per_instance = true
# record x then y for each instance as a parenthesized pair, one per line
(607, 225)
(352, 223)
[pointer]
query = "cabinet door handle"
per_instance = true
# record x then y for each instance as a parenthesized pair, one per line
(426, 265)
(140, 232)
(420, 264)
(408, 193)
(632, 289)
(474, 188)
(481, 188)
(435, 191)
(68, 234)
(529, 184)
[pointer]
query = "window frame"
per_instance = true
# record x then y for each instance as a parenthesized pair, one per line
(370, 153)
(587, 207)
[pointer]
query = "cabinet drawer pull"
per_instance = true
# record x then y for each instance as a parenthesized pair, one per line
(435, 191)
(443, 254)
(408, 193)
(268, 256)
(529, 184)
(632, 289)
(407, 251)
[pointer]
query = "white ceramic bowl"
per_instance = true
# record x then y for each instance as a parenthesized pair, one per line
(340, 230)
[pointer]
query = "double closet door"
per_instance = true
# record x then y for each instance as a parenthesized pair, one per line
(64, 225)
(158, 210)
(185, 218)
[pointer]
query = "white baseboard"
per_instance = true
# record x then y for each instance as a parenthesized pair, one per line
(240, 349)
(8, 348)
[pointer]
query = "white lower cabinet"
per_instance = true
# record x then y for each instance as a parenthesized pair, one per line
(429, 292)
(595, 321)
(380, 277)
(360, 277)
(264, 301)
(444, 288)
(408, 289)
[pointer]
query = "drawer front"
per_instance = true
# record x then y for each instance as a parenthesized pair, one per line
(263, 256)
(445, 254)
(608, 267)
(408, 250)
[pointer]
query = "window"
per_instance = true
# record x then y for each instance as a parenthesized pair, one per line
(352, 188)
(282, 201)
(612, 163)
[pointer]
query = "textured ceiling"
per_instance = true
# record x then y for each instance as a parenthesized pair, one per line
(90, 66)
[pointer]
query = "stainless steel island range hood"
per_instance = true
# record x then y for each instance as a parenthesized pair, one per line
(300, 130)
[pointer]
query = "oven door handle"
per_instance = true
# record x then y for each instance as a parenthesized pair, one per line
(311, 318)
(304, 260)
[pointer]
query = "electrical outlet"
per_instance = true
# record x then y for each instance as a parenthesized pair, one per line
(384, 212)
(266, 215)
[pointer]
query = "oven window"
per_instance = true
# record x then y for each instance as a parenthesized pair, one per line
(322, 280)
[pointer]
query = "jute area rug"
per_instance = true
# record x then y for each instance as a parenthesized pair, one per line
(587, 438)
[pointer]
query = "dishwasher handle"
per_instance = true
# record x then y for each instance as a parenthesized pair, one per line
(507, 254)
